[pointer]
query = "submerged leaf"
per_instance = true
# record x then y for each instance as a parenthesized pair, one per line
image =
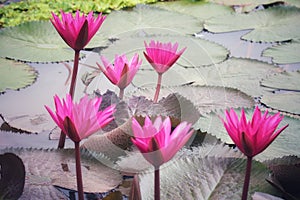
(278, 23)
(14, 75)
(35, 41)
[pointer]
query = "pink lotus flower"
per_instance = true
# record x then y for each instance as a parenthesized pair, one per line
(80, 120)
(253, 137)
(156, 142)
(77, 31)
(162, 55)
(120, 73)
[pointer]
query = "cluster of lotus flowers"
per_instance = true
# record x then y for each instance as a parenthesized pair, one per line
(154, 139)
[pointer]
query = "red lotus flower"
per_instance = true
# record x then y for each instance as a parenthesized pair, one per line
(121, 72)
(253, 137)
(156, 141)
(80, 120)
(77, 31)
(162, 55)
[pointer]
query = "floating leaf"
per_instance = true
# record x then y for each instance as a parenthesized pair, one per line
(204, 98)
(286, 102)
(14, 75)
(283, 81)
(199, 52)
(286, 53)
(199, 9)
(285, 144)
(242, 74)
(12, 176)
(35, 41)
(204, 177)
(280, 23)
(144, 19)
(45, 168)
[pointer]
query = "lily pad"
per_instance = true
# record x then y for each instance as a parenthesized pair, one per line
(205, 98)
(284, 145)
(45, 168)
(15, 75)
(283, 81)
(242, 74)
(199, 52)
(286, 101)
(35, 41)
(286, 53)
(145, 19)
(279, 23)
(197, 177)
(200, 9)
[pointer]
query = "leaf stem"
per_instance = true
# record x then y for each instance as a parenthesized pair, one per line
(62, 137)
(78, 172)
(247, 178)
(156, 184)
(158, 86)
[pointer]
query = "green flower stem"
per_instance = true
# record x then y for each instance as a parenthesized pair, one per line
(121, 93)
(158, 86)
(78, 172)
(62, 138)
(156, 185)
(247, 178)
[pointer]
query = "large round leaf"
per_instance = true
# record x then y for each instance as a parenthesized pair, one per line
(209, 177)
(199, 9)
(286, 101)
(283, 81)
(280, 23)
(199, 52)
(145, 19)
(286, 53)
(285, 144)
(36, 41)
(205, 98)
(242, 74)
(15, 75)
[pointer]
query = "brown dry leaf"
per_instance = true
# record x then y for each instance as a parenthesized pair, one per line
(45, 168)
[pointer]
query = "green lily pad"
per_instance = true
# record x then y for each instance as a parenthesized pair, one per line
(199, 52)
(242, 74)
(283, 81)
(35, 41)
(145, 19)
(284, 145)
(210, 177)
(280, 23)
(286, 53)
(200, 9)
(205, 98)
(287, 101)
(15, 75)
